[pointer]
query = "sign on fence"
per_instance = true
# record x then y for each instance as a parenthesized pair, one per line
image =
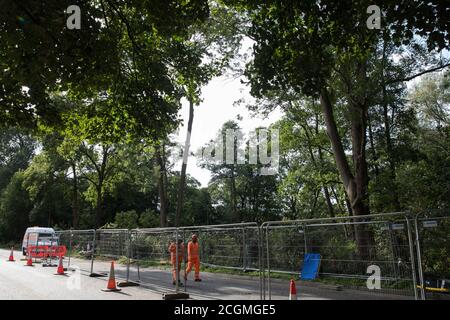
(46, 251)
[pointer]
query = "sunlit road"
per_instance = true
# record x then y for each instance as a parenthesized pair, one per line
(20, 282)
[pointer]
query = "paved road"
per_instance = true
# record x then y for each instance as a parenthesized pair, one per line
(20, 282)
(36, 283)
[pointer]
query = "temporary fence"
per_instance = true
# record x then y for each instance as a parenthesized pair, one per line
(432, 230)
(232, 246)
(351, 249)
(380, 256)
(80, 245)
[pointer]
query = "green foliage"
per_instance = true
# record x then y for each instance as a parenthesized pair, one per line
(15, 207)
(126, 220)
(148, 219)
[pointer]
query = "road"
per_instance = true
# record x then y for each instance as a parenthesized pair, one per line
(40, 283)
(20, 282)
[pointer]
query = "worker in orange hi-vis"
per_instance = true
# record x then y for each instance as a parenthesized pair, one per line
(193, 258)
(173, 258)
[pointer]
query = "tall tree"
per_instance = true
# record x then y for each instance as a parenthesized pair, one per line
(314, 49)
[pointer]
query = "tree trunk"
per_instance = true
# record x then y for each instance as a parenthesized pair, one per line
(387, 134)
(162, 185)
(236, 217)
(328, 200)
(75, 199)
(98, 208)
(182, 184)
(372, 147)
(355, 185)
(360, 201)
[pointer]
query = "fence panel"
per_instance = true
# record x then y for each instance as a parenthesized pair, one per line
(432, 230)
(227, 247)
(348, 246)
(80, 248)
(247, 261)
(111, 245)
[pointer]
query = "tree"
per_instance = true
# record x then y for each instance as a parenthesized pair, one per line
(17, 148)
(214, 43)
(15, 207)
(124, 50)
(316, 50)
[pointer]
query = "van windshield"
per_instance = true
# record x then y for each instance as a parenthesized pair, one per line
(46, 235)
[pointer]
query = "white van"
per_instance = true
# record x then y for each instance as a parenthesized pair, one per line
(39, 236)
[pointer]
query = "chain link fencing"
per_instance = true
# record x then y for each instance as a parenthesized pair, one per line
(350, 249)
(80, 246)
(222, 247)
(432, 230)
(381, 256)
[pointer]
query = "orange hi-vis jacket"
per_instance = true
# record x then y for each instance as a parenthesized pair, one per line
(173, 252)
(193, 251)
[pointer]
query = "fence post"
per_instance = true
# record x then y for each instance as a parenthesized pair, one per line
(411, 253)
(268, 262)
(177, 269)
(262, 260)
(261, 279)
(419, 258)
(244, 251)
(304, 238)
(93, 251)
(70, 246)
(129, 254)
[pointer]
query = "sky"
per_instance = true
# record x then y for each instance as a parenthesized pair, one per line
(217, 108)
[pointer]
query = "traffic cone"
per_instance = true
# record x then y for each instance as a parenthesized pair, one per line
(29, 260)
(60, 270)
(11, 255)
(292, 291)
(112, 280)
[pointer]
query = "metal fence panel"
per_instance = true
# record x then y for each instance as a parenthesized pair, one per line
(247, 261)
(348, 246)
(432, 230)
(80, 246)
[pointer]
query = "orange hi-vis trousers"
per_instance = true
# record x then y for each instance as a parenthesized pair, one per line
(193, 259)
(173, 259)
(174, 269)
(193, 262)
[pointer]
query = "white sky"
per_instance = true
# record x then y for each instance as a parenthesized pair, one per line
(217, 108)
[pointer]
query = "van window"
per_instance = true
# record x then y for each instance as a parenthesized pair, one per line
(46, 235)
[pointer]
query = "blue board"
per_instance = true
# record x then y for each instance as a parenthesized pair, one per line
(311, 265)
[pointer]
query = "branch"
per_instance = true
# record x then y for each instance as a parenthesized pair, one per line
(83, 176)
(418, 74)
(85, 150)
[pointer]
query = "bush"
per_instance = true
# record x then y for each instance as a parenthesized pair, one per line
(126, 220)
(149, 219)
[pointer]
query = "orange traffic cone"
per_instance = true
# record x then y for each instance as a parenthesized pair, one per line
(60, 270)
(29, 260)
(11, 255)
(112, 280)
(292, 291)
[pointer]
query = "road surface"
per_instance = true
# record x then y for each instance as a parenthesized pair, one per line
(20, 282)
